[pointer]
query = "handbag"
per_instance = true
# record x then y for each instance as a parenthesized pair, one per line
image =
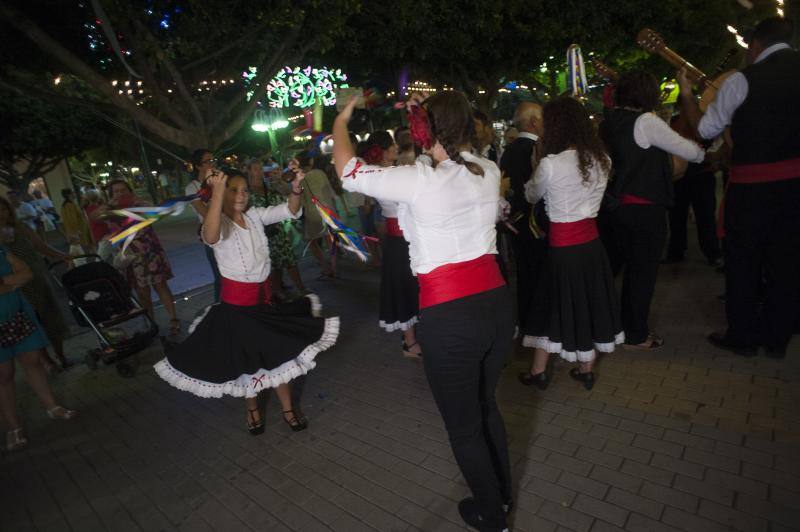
(16, 329)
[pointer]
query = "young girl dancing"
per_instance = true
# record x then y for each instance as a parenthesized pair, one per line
(244, 344)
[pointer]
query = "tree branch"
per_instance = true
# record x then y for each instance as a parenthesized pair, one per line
(155, 88)
(228, 47)
(162, 57)
(52, 47)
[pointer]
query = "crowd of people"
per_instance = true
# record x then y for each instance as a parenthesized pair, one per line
(579, 204)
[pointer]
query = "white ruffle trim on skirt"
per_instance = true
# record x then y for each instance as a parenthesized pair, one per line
(543, 342)
(250, 385)
(397, 326)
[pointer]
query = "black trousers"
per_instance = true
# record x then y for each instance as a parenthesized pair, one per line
(698, 191)
(641, 231)
(467, 343)
(762, 230)
(529, 256)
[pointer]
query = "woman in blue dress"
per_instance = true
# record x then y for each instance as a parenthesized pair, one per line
(21, 338)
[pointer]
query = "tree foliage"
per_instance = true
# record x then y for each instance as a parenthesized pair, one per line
(35, 134)
(205, 39)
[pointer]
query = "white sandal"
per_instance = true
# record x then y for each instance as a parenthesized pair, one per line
(15, 439)
(59, 412)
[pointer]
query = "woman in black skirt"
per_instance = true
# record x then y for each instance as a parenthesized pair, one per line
(448, 214)
(576, 310)
(399, 301)
(244, 344)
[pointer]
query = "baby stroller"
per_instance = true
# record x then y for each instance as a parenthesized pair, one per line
(100, 298)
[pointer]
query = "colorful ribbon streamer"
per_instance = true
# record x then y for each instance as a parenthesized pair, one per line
(140, 217)
(576, 71)
(348, 238)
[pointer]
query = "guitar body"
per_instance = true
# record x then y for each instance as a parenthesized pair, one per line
(711, 88)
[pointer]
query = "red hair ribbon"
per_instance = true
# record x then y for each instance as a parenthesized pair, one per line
(374, 155)
(420, 127)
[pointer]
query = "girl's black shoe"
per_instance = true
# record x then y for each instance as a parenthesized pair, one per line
(295, 424)
(540, 380)
(586, 378)
(254, 426)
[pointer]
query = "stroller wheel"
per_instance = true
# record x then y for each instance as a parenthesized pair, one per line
(125, 370)
(91, 359)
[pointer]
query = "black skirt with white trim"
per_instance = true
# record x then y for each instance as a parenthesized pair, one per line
(242, 350)
(576, 309)
(399, 301)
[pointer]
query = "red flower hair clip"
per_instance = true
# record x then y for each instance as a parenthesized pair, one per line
(374, 155)
(420, 127)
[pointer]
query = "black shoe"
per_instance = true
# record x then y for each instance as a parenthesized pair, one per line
(254, 426)
(472, 516)
(540, 380)
(295, 424)
(586, 378)
(722, 341)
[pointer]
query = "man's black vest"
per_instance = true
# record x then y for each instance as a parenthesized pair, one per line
(646, 173)
(766, 127)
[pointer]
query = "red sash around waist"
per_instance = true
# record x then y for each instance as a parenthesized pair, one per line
(630, 199)
(393, 228)
(765, 172)
(572, 233)
(461, 279)
(246, 294)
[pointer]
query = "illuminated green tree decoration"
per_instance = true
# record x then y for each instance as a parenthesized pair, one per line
(301, 86)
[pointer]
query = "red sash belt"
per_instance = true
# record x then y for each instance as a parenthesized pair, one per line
(245, 294)
(461, 279)
(765, 172)
(393, 228)
(630, 199)
(572, 233)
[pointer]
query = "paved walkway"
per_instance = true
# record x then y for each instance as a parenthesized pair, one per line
(685, 438)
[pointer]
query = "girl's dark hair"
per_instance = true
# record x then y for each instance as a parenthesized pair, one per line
(361, 148)
(233, 172)
(638, 89)
(380, 138)
(402, 137)
(567, 126)
(197, 159)
(304, 158)
(110, 186)
(66, 193)
(451, 123)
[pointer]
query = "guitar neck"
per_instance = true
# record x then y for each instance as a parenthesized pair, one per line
(695, 74)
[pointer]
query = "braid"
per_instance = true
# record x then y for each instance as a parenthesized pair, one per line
(445, 138)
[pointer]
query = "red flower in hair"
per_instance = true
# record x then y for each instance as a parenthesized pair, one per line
(420, 127)
(205, 192)
(374, 155)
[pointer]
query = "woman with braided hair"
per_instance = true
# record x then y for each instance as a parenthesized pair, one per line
(447, 212)
(399, 300)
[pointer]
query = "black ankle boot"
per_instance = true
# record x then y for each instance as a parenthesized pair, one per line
(468, 509)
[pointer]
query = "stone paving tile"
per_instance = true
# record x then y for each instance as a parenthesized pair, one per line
(687, 438)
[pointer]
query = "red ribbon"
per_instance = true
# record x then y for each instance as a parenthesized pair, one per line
(461, 279)
(630, 199)
(246, 294)
(765, 172)
(352, 173)
(393, 227)
(564, 234)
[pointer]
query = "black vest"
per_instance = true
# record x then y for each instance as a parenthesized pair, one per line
(646, 173)
(766, 127)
